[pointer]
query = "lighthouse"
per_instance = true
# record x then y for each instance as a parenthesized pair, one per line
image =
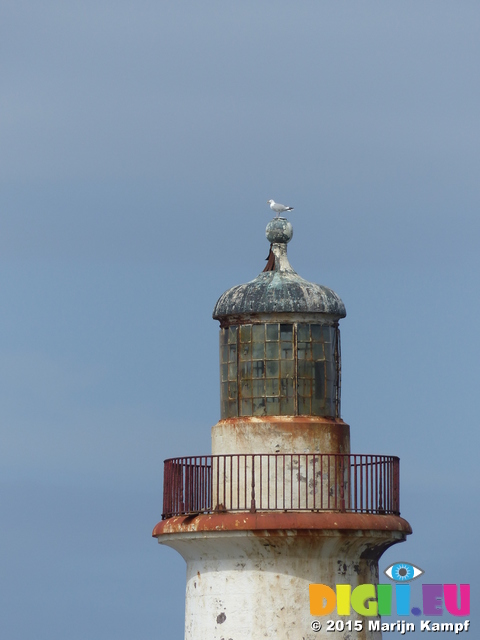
(281, 503)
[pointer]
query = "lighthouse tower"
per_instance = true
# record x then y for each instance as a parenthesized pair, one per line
(281, 503)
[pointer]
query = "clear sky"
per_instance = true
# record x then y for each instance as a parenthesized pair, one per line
(140, 142)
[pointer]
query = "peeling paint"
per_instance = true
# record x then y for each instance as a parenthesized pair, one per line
(300, 523)
(267, 597)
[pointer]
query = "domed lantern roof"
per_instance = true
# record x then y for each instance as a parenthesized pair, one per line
(279, 289)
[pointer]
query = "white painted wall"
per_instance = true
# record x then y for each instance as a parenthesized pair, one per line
(246, 585)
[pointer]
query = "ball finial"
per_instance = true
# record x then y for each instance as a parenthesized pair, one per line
(279, 231)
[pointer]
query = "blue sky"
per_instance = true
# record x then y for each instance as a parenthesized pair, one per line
(140, 144)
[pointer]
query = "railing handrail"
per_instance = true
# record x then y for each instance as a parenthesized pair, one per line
(288, 453)
(366, 483)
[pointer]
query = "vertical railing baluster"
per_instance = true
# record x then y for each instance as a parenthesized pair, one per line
(268, 483)
(306, 481)
(342, 483)
(291, 481)
(276, 482)
(389, 485)
(354, 484)
(371, 483)
(224, 464)
(338, 497)
(321, 481)
(217, 481)
(253, 506)
(238, 482)
(314, 482)
(245, 485)
(396, 485)
(299, 475)
(260, 458)
(361, 483)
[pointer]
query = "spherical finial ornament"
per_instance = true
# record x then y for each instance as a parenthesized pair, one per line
(279, 230)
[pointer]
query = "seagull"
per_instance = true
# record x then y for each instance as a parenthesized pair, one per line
(278, 208)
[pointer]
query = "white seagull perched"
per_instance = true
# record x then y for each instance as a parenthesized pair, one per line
(278, 208)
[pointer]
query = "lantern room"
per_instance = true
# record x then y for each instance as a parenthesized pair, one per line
(279, 341)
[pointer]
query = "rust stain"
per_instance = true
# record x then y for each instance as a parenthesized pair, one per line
(279, 420)
(333, 434)
(270, 266)
(288, 522)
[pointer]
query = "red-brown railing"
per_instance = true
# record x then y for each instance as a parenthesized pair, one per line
(281, 482)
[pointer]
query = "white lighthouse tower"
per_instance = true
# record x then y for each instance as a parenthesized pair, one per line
(281, 503)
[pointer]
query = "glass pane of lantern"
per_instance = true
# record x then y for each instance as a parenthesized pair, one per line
(303, 334)
(305, 369)
(272, 368)
(304, 407)
(286, 368)
(328, 334)
(245, 389)
(287, 407)
(246, 333)
(272, 332)
(317, 334)
(318, 407)
(304, 350)
(286, 386)
(330, 407)
(273, 407)
(318, 351)
(319, 380)
(258, 388)
(272, 387)
(286, 350)
(224, 407)
(258, 333)
(272, 350)
(258, 369)
(258, 350)
(304, 387)
(259, 406)
(245, 351)
(286, 332)
(245, 369)
(245, 407)
(224, 353)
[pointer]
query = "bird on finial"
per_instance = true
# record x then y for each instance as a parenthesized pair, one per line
(278, 208)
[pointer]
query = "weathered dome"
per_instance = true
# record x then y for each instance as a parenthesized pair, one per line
(279, 289)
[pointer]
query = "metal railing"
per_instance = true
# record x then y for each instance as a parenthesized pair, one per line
(281, 482)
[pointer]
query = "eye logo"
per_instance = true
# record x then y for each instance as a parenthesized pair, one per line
(403, 572)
